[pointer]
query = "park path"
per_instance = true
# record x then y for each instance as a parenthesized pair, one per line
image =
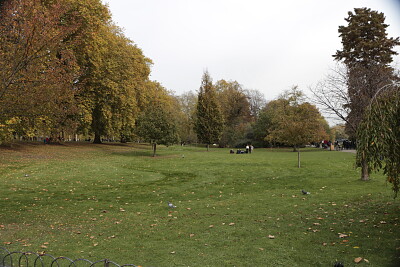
(349, 151)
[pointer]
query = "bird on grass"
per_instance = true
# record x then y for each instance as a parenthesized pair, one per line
(305, 192)
(171, 205)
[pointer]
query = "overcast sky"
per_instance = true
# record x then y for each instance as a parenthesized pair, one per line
(265, 45)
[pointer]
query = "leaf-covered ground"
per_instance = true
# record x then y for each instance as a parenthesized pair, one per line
(110, 201)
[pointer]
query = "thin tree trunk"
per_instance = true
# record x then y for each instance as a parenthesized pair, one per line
(208, 146)
(154, 149)
(298, 158)
(364, 170)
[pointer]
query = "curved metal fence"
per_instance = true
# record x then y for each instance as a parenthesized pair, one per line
(33, 259)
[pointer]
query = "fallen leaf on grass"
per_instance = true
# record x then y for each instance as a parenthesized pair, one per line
(172, 252)
(231, 224)
(191, 235)
(342, 235)
(211, 226)
(271, 237)
(358, 260)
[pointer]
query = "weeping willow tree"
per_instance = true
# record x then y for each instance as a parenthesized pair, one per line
(379, 135)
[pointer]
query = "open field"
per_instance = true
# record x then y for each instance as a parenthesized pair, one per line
(110, 201)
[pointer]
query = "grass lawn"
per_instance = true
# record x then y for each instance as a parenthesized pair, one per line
(110, 201)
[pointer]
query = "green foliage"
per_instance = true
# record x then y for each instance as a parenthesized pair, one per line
(338, 132)
(294, 122)
(186, 117)
(262, 126)
(114, 77)
(157, 125)
(235, 109)
(367, 52)
(365, 39)
(379, 134)
(209, 120)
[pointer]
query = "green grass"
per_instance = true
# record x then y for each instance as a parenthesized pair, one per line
(110, 201)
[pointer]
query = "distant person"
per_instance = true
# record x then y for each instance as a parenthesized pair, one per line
(247, 149)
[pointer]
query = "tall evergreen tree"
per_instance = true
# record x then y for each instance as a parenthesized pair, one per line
(209, 120)
(367, 52)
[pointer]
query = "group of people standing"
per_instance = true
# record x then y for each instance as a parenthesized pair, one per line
(249, 149)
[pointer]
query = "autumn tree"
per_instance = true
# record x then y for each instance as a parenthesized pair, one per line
(38, 66)
(236, 111)
(256, 101)
(187, 109)
(209, 121)
(295, 122)
(114, 74)
(367, 53)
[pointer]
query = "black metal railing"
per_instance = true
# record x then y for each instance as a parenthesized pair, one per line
(33, 259)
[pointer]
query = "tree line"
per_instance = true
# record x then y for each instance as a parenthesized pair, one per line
(67, 69)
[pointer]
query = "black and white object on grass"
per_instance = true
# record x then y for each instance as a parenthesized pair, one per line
(171, 205)
(305, 192)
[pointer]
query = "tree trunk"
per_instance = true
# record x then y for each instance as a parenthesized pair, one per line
(364, 170)
(97, 138)
(208, 146)
(154, 149)
(298, 158)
